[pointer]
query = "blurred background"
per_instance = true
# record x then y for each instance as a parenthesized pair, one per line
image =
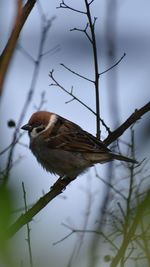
(121, 27)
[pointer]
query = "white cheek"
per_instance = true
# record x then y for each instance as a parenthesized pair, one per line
(51, 123)
(34, 133)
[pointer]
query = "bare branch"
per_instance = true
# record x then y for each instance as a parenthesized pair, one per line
(92, 40)
(75, 98)
(95, 18)
(28, 228)
(91, 2)
(52, 50)
(41, 12)
(123, 127)
(42, 101)
(10, 145)
(96, 67)
(64, 5)
(117, 191)
(25, 218)
(21, 17)
(139, 213)
(79, 75)
(86, 231)
(84, 31)
(30, 93)
(25, 53)
(113, 65)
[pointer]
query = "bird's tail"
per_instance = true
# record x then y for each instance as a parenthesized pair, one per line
(123, 158)
(105, 157)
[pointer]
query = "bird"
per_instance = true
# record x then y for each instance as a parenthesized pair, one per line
(63, 148)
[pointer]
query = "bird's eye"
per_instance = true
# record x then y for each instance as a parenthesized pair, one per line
(40, 128)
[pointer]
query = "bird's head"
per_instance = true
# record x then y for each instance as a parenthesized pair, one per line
(40, 122)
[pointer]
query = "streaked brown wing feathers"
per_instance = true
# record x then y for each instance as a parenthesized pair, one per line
(70, 137)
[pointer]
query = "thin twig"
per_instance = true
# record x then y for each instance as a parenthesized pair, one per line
(84, 31)
(127, 216)
(92, 40)
(121, 209)
(56, 83)
(110, 185)
(29, 96)
(85, 231)
(28, 228)
(10, 145)
(113, 66)
(52, 51)
(42, 101)
(88, 209)
(74, 72)
(145, 239)
(25, 53)
(25, 218)
(41, 12)
(139, 213)
(91, 2)
(64, 5)
(96, 68)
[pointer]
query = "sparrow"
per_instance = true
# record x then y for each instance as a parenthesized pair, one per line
(64, 148)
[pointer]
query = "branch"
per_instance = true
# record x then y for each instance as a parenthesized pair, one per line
(117, 191)
(25, 53)
(28, 228)
(21, 17)
(30, 93)
(140, 210)
(77, 74)
(84, 31)
(76, 98)
(64, 5)
(123, 127)
(91, 2)
(96, 68)
(113, 65)
(25, 218)
(85, 231)
(92, 40)
(11, 144)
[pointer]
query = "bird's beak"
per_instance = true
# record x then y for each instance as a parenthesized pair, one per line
(26, 127)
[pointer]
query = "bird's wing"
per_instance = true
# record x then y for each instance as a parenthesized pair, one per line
(70, 137)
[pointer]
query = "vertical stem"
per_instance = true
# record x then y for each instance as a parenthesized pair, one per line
(128, 231)
(131, 175)
(28, 99)
(96, 81)
(145, 240)
(5, 57)
(111, 37)
(28, 228)
(139, 213)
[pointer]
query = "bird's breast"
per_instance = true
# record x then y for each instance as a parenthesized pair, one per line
(60, 162)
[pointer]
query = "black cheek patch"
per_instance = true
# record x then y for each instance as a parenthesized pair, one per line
(40, 129)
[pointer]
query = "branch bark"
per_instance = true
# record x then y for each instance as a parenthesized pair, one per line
(123, 127)
(25, 218)
(96, 67)
(21, 17)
